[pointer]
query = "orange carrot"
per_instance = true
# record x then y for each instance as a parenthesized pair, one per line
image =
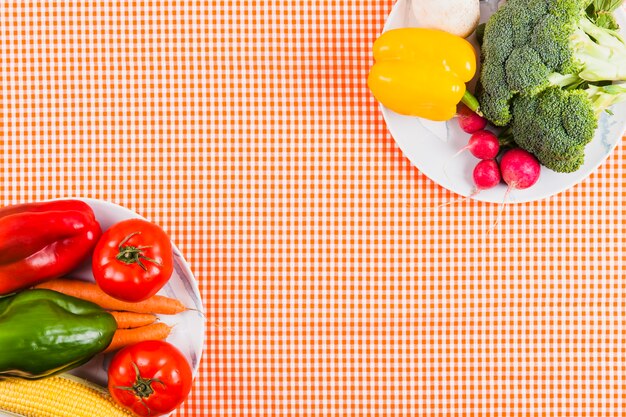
(125, 337)
(129, 320)
(90, 291)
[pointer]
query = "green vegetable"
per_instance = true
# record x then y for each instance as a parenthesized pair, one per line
(568, 125)
(43, 332)
(538, 54)
(480, 33)
(601, 11)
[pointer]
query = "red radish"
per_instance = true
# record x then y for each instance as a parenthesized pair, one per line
(484, 145)
(486, 175)
(469, 121)
(520, 169)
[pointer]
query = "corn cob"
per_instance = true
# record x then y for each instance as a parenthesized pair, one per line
(57, 396)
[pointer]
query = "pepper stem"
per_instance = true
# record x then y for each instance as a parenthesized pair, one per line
(471, 102)
(129, 254)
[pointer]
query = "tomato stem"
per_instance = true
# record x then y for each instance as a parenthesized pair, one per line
(142, 387)
(129, 254)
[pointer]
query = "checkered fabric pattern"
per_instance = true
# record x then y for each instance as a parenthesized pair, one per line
(333, 286)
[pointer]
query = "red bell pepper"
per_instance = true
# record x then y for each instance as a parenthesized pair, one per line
(43, 241)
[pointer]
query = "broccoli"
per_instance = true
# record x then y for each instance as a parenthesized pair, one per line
(527, 43)
(556, 124)
(560, 143)
(547, 69)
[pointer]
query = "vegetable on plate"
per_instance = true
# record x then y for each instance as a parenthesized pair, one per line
(58, 396)
(157, 304)
(422, 72)
(459, 17)
(43, 241)
(468, 120)
(483, 144)
(129, 320)
(486, 175)
(133, 260)
(44, 332)
(149, 378)
(548, 72)
(129, 336)
(520, 169)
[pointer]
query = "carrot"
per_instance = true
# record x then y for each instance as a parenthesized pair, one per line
(125, 337)
(129, 320)
(90, 291)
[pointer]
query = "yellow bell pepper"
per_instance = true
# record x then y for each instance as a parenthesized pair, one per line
(422, 72)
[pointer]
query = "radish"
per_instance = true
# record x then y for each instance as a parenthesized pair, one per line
(469, 121)
(520, 170)
(482, 144)
(486, 175)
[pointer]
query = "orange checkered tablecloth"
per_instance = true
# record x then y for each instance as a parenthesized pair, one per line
(332, 284)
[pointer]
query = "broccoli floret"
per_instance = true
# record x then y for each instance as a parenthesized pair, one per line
(528, 43)
(525, 71)
(555, 51)
(522, 22)
(546, 125)
(498, 108)
(497, 39)
(494, 98)
(556, 124)
(566, 9)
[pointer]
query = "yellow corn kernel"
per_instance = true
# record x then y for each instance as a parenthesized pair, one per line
(57, 396)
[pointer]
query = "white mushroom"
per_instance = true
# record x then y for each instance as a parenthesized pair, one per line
(459, 17)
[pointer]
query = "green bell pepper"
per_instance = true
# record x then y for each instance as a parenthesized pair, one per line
(44, 332)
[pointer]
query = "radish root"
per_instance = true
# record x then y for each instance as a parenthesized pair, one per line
(501, 209)
(460, 199)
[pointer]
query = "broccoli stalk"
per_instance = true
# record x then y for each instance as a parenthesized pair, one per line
(601, 52)
(566, 81)
(601, 11)
(603, 97)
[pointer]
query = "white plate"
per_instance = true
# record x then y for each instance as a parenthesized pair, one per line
(188, 331)
(429, 146)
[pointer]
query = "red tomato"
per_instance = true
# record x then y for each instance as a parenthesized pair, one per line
(149, 378)
(133, 260)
